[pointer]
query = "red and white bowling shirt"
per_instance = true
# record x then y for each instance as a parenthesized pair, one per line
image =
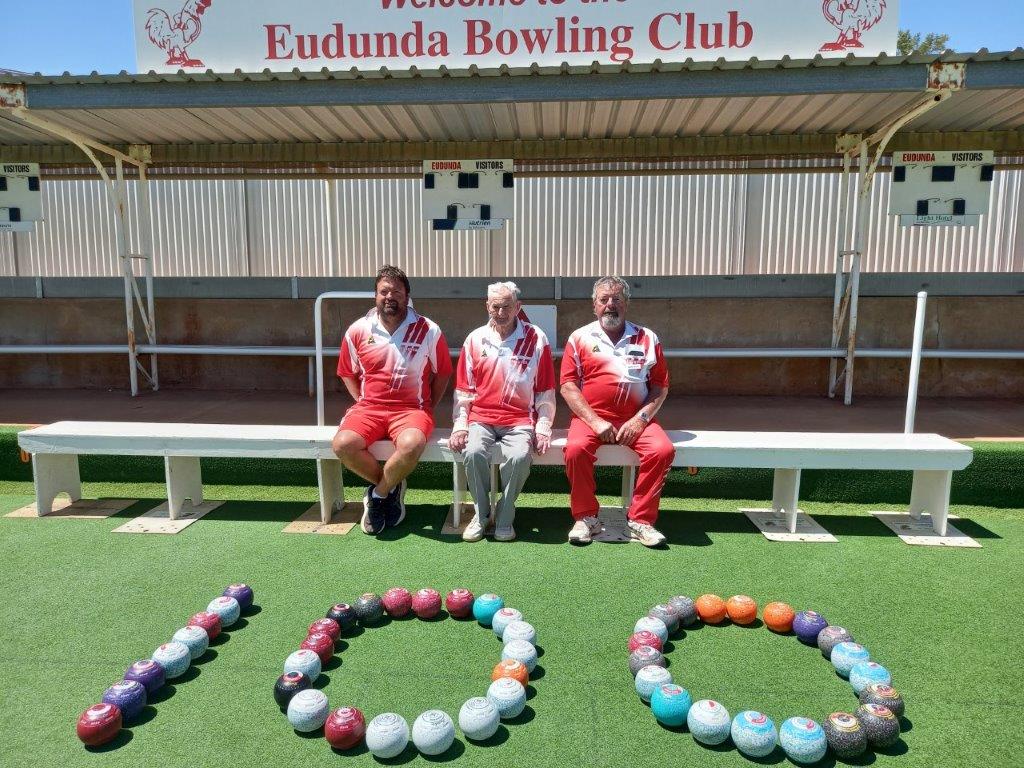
(394, 369)
(505, 382)
(615, 378)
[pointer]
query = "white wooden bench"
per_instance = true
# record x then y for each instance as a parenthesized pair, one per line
(55, 449)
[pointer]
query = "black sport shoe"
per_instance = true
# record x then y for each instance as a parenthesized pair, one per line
(394, 505)
(374, 519)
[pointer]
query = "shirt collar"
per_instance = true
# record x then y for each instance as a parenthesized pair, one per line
(378, 326)
(599, 332)
(495, 337)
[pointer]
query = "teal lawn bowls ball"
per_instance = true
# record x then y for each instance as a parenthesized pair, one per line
(845, 735)
(803, 740)
(709, 722)
(304, 661)
(670, 704)
(880, 724)
(485, 606)
(649, 678)
(509, 696)
(520, 650)
(754, 733)
(884, 694)
(308, 710)
(686, 609)
(867, 672)
(846, 655)
(644, 656)
(520, 630)
(227, 608)
(651, 624)
(387, 735)
(433, 732)
(174, 657)
(503, 618)
(195, 638)
(830, 637)
(667, 614)
(479, 718)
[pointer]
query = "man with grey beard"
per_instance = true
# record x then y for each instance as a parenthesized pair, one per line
(614, 379)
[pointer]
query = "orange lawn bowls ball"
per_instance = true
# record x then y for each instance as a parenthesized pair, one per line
(741, 609)
(511, 668)
(711, 609)
(778, 617)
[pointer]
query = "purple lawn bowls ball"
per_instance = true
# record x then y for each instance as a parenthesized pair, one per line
(147, 672)
(127, 695)
(807, 625)
(242, 593)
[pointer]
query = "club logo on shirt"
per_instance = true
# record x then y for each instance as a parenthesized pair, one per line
(370, 340)
(596, 348)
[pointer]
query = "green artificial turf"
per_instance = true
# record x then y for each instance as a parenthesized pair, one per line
(80, 603)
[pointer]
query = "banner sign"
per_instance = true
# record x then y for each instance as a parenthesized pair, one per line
(282, 35)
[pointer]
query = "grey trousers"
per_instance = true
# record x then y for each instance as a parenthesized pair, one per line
(516, 444)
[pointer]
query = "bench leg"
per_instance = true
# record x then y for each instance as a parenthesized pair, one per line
(459, 485)
(53, 474)
(495, 486)
(930, 493)
(184, 481)
(628, 482)
(331, 487)
(785, 495)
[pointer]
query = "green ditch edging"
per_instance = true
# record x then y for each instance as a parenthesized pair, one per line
(995, 478)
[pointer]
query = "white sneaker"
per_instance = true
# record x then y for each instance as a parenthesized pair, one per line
(474, 530)
(505, 533)
(647, 535)
(583, 531)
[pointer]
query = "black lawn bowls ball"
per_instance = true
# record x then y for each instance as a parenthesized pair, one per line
(344, 614)
(667, 614)
(686, 609)
(832, 636)
(288, 685)
(645, 656)
(886, 695)
(880, 724)
(369, 608)
(845, 735)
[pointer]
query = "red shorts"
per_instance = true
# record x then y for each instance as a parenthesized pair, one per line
(375, 422)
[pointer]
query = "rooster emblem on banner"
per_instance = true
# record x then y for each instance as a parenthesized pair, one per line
(851, 17)
(175, 34)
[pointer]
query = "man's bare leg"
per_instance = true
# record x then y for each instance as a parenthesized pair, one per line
(350, 447)
(408, 448)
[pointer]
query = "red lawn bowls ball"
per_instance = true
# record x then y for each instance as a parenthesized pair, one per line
(321, 644)
(459, 603)
(98, 724)
(644, 638)
(327, 626)
(242, 593)
(345, 728)
(208, 621)
(511, 668)
(397, 602)
(741, 609)
(426, 603)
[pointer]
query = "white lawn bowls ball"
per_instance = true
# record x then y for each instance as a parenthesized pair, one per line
(649, 678)
(433, 732)
(709, 722)
(651, 624)
(509, 696)
(520, 630)
(479, 719)
(174, 657)
(304, 661)
(387, 735)
(520, 650)
(195, 638)
(503, 618)
(227, 608)
(308, 710)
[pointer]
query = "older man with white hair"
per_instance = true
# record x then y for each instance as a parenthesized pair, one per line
(505, 396)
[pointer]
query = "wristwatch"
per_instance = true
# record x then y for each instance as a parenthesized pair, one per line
(644, 417)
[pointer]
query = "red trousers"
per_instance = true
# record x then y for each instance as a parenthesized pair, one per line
(652, 446)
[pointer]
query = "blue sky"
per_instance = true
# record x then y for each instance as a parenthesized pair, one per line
(52, 36)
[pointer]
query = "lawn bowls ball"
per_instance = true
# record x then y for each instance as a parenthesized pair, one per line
(208, 621)
(288, 685)
(668, 615)
(426, 603)
(397, 602)
(807, 625)
(880, 724)
(846, 655)
(344, 614)
(670, 704)
(503, 618)
(242, 593)
(520, 630)
(754, 733)
(521, 651)
(174, 657)
(479, 718)
(742, 609)
(369, 608)
(803, 740)
(308, 710)
(227, 608)
(321, 644)
(648, 679)
(195, 638)
(644, 637)
(345, 728)
(685, 608)
(867, 672)
(708, 722)
(778, 617)
(884, 694)
(509, 696)
(459, 603)
(327, 626)
(99, 724)
(832, 636)
(127, 695)
(845, 735)
(147, 672)
(433, 732)
(645, 656)
(387, 735)
(511, 668)
(304, 661)
(711, 609)
(650, 624)
(485, 606)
